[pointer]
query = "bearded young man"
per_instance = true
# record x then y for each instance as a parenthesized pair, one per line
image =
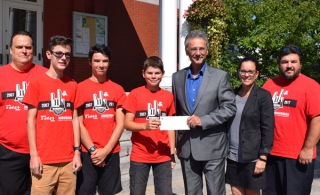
(290, 167)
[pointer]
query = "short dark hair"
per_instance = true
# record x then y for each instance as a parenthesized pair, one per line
(196, 34)
(251, 59)
(99, 49)
(153, 61)
(22, 32)
(290, 49)
(59, 40)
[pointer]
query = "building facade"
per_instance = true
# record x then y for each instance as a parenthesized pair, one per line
(132, 32)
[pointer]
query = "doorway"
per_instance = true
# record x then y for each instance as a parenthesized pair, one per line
(21, 15)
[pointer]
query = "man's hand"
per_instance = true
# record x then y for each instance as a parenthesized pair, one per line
(305, 156)
(194, 121)
(35, 165)
(76, 162)
(98, 156)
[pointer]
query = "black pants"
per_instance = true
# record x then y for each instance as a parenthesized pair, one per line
(287, 176)
(139, 173)
(15, 176)
(107, 178)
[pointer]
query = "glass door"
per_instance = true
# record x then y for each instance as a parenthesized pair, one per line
(22, 15)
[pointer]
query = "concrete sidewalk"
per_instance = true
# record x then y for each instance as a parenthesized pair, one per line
(178, 187)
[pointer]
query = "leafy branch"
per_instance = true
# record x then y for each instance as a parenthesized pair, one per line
(209, 16)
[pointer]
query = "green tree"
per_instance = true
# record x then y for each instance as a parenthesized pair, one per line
(209, 16)
(261, 27)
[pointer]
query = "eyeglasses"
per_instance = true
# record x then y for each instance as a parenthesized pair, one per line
(289, 49)
(195, 49)
(250, 72)
(60, 54)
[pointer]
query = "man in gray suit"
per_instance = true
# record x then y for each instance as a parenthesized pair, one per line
(203, 93)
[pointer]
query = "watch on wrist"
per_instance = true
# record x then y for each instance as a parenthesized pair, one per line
(92, 149)
(77, 148)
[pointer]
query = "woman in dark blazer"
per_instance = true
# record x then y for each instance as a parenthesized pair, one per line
(250, 133)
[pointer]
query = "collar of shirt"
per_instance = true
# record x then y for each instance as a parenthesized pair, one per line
(190, 76)
(193, 85)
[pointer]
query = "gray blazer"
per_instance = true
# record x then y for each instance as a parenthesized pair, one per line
(215, 105)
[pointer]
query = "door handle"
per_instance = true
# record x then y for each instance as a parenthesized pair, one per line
(7, 58)
(39, 56)
(0, 58)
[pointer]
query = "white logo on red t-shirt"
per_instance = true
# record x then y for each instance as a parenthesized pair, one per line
(57, 104)
(20, 91)
(154, 112)
(278, 99)
(99, 103)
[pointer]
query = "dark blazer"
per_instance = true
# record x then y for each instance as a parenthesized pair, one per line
(215, 104)
(257, 124)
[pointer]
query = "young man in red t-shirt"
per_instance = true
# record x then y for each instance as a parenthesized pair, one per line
(101, 122)
(14, 148)
(53, 126)
(151, 147)
(290, 165)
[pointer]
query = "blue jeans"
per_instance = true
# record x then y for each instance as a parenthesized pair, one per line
(139, 173)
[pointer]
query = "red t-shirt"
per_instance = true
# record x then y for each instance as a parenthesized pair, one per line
(54, 99)
(13, 85)
(100, 102)
(295, 104)
(149, 146)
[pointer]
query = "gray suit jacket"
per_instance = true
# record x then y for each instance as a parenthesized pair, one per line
(215, 104)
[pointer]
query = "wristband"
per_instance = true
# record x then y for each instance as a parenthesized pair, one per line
(77, 148)
(264, 160)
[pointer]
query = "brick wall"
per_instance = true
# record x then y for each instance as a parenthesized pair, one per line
(132, 35)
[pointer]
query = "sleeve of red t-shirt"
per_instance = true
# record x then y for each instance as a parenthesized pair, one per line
(78, 97)
(313, 98)
(32, 94)
(266, 85)
(122, 97)
(130, 103)
(171, 109)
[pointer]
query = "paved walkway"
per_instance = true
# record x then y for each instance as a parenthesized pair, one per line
(178, 187)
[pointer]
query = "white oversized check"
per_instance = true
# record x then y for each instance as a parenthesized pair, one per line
(174, 123)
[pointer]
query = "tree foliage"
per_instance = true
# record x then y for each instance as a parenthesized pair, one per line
(261, 27)
(209, 15)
